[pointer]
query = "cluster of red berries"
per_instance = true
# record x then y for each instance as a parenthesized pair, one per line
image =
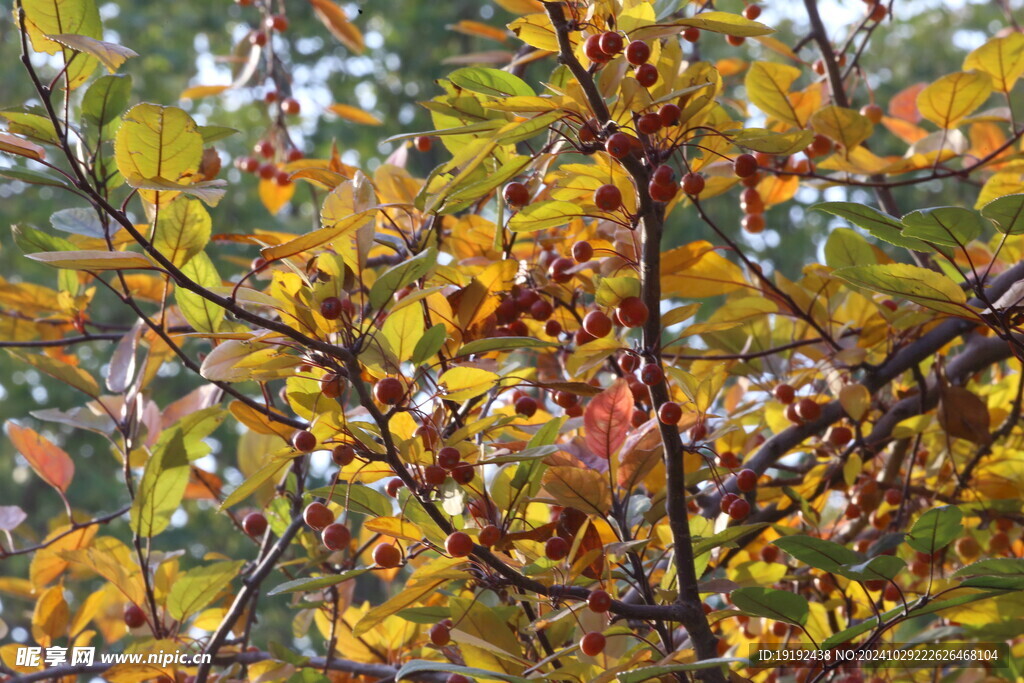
(268, 170)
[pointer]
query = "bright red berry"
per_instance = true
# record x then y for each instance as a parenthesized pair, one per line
(693, 183)
(669, 114)
(592, 644)
(808, 409)
(611, 43)
(303, 441)
(592, 49)
(335, 536)
(387, 556)
(746, 480)
(490, 535)
(664, 175)
(752, 12)
(291, 106)
(393, 485)
(670, 413)
(343, 454)
(619, 145)
(559, 270)
(424, 143)
(254, 524)
(632, 311)
(739, 509)
(648, 124)
(607, 198)
(646, 75)
(317, 516)
(388, 391)
(661, 193)
(434, 475)
(458, 544)
(597, 323)
(276, 22)
(691, 34)
(753, 222)
(784, 393)
(516, 194)
(638, 52)
(652, 374)
(599, 601)
(744, 165)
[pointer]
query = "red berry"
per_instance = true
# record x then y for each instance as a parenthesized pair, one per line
(559, 270)
(582, 251)
(541, 309)
(335, 536)
(728, 460)
(669, 114)
(490, 535)
(317, 516)
(424, 143)
(638, 417)
(556, 548)
(458, 544)
(264, 148)
(267, 172)
(440, 634)
(388, 391)
(449, 457)
(769, 553)
(727, 500)
(303, 441)
(526, 406)
(592, 49)
(597, 323)
(331, 385)
(457, 678)
(134, 617)
(619, 145)
(610, 43)
(872, 112)
(840, 436)
(258, 38)
(607, 198)
(599, 601)
(853, 511)
(661, 193)
(291, 106)
(691, 34)
(746, 480)
(792, 415)
(646, 75)
(583, 337)
(553, 328)
(276, 22)
(784, 393)
(893, 496)
(744, 165)
(294, 154)
(393, 485)
(808, 409)
(628, 363)
(249, 164)
(254, 524)
(698, 432)
(751, 202)
(463, 474)
(752, 12)
(592, 644)
(434, 475)
(664, 175)
(632, 311)
(819, 147)
(753, 222)
(516, 194)
(652, 374)
(387, 556)
(638, 52)
(330, 308)
(735, 41)
(877, 11)
(739, 509)
(283, 178)
(670, 413)
(648, 124)
(693, 183)
(343, 454)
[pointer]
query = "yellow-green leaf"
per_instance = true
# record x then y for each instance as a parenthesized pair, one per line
(92, 260)
(926, 287)
(182, 230)
(845, 126)
(162, 487)
(1001, 58)
(195, 589)
(951, 98)
(542, 215)
(463, 383)
(203, 315)
(768, 87)
(79, 17)
(157, 144)
(111, 55)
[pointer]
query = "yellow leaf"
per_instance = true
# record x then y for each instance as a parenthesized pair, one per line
(476, 28)
(395, 528)
(695, 270)
(9, 655)
(47, 564)
(948, 100)
(275, 196)
(354, 114)
(856, 400)
(465, 382)
(1001, 58)
(336, 21)
(414, 592)
(111, 55)
(198, 91)
(210, 191)
(49, 461)
(1000, 185)
(258, 421)
(340, 218)
(845, 126)
(50, 617)
(520, 6)
(583, 489)
(22, 148)
(79, 17)
(93, 260)
(182, 230)
(768, 87)
(111, 559)
(159, 144)
(535, 30)
(402, 330)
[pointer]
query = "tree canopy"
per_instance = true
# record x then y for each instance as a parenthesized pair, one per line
(665, 336)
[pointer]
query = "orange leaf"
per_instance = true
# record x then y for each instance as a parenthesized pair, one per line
(50, 462)
(354, 114)
(23, 148)
(197, 91)
(903, 104)
(275, 196)
(336, 21)
(476, 28)
(606, 419)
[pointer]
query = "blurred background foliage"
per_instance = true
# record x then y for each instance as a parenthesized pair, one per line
(409, 43)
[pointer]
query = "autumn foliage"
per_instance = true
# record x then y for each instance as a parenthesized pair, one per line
(495, 426)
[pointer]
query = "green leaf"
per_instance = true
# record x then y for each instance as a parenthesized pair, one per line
(398, 276)
(1001, 566)
(490, 82)
(78, 221)
(30, 240)
(951, 226)
(254, 481)
(182, 230)
(317, 582)
(215, 133)
(429, 344)
(502, 344)
(881, 225)
(879, 567)
(106, 99)
(779, 605)
(920, 285)
(846, 247)
(770, 142)
(32, 177)
(724, 537)
(612, 290)
(416, 666)
(542, 215)
(32, 126)
(357, 498)
(524, 130)
(547, 434)
(936, 529)
(203, 315)
(196, 588)
(646, 673)
(817, 552)
(1007, 213)
(86, 259)
(460, 199)
(161, 489)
